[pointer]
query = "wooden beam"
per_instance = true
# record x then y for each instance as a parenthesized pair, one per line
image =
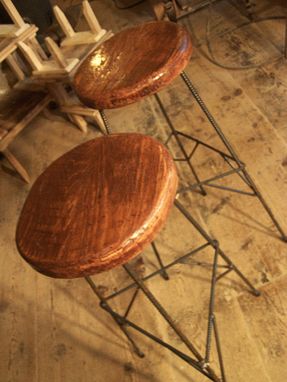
(91, 17)
(11, 46)
(13, 13)
(15, 67)
(56, 52)
(31, 56)
(63, 21)
(17, 165)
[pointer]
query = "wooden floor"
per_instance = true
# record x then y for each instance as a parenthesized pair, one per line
(54, 331)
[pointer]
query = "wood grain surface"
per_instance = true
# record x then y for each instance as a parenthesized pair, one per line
(133, 64)
(97, 206)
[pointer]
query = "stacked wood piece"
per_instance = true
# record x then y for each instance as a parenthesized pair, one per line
(53, 72)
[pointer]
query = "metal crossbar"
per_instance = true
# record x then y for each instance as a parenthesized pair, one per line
(230, 157)
(198, 361)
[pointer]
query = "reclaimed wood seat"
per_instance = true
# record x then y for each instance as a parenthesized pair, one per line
(97, 206)
(132, 64)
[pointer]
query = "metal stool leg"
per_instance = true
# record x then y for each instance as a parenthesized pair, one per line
(196, 360)
(244, 174)
(232, 267)
(104, 305)
(174, 132)
(106, 122)
(201, 365)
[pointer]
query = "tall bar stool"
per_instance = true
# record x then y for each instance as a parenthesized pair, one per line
(140, 61)
(97, 207)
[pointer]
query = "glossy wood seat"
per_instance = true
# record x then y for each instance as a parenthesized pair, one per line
(97, 206)
(132, 64)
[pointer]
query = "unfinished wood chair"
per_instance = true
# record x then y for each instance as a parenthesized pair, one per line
(77, 38)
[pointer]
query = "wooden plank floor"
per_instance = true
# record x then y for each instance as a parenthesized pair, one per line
(53, 330)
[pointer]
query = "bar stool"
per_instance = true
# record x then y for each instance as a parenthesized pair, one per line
(97, 207)
(140, 61)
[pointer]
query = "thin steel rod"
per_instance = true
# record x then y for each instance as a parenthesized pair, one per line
(177, 261)
(232, 152)
(166, 316)
(204, 144)
(105, 305)
(211, 305)
(131, 302)
(106, 122)
(188, 216)
(156, 339)
(168, 139)
(216, 177)
(157, 255)
(178, 141)
(218, 348)
(241, 176)
(204, 264)
(223, 274)
(225, 188)
(193, 150)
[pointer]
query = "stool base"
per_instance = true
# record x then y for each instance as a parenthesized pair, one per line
(194, 358)
(230, 157)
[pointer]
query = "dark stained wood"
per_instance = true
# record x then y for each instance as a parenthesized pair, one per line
(134, 63)
(97, 206)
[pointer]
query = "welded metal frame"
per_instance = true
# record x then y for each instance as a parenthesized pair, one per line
(199, 362)
(230, 157)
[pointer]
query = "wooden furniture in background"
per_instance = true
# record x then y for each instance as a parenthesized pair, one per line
(57, 65)
(77, 38)
(20, 31)
(51, 74)
(18, 26)
(56, 72)
(18, 106)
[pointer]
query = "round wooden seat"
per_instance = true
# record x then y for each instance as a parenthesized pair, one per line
(132, 64)
(97, 206)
